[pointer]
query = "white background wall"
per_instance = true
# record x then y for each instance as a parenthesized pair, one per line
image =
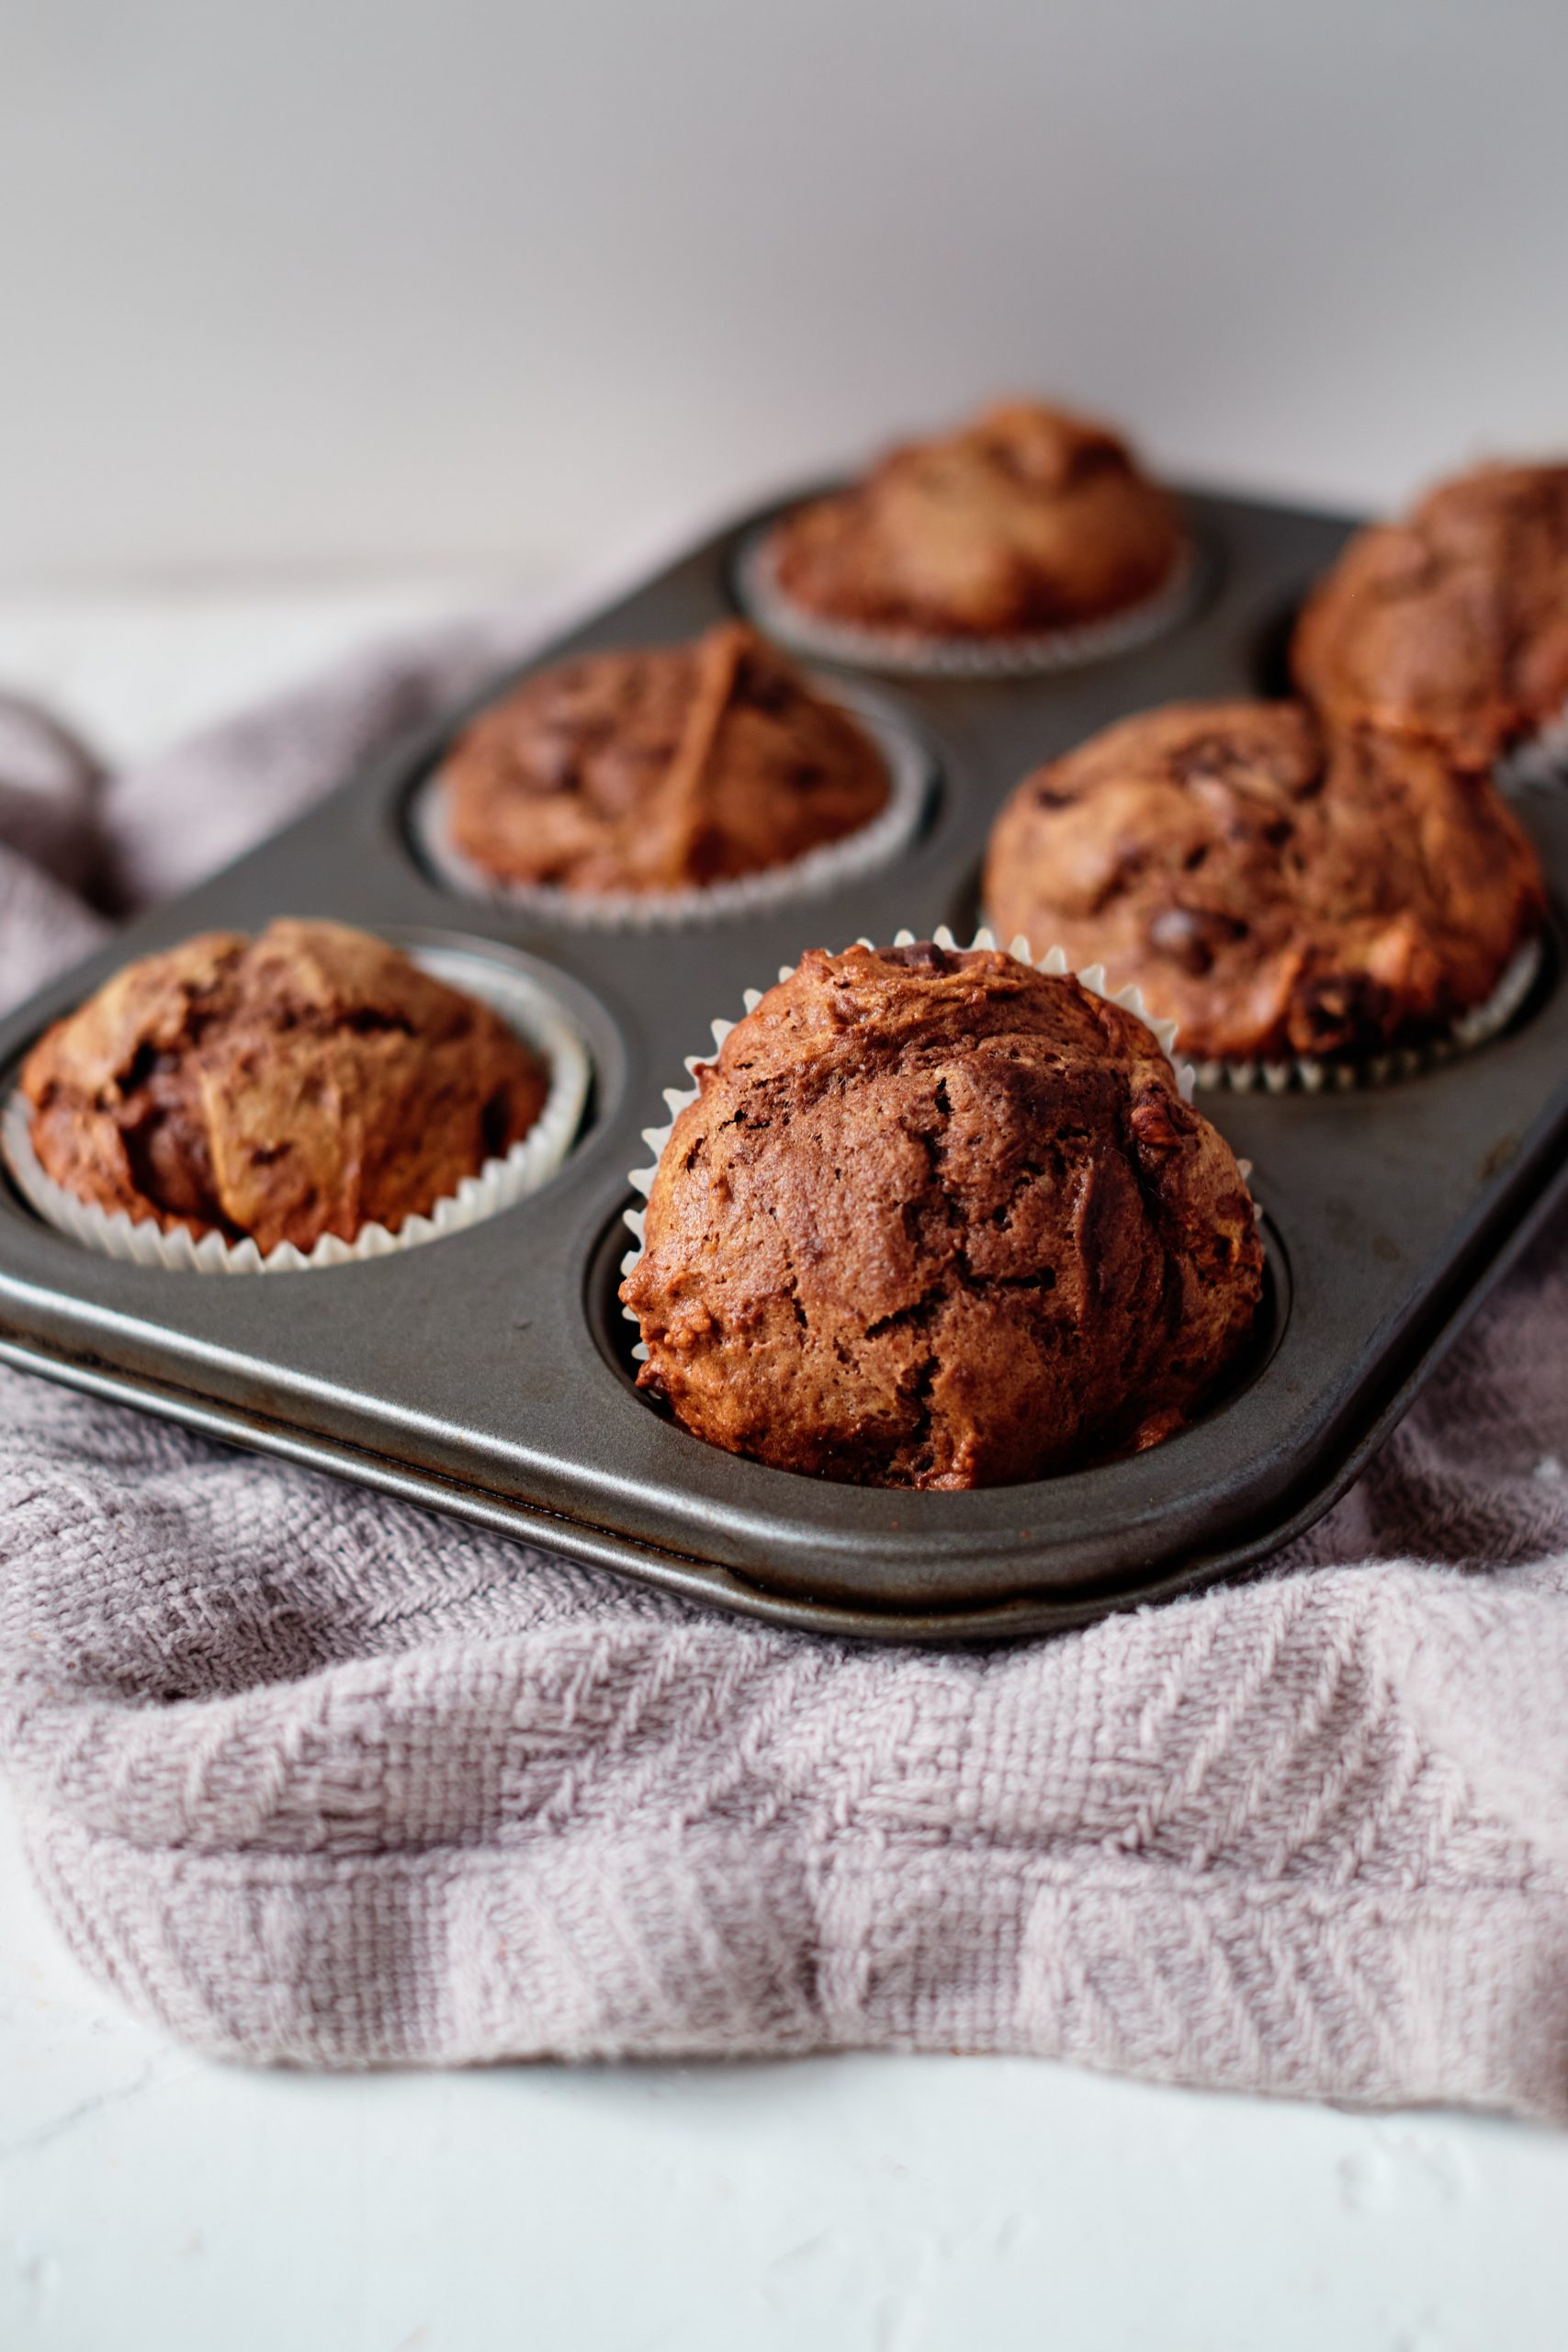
(361, 282)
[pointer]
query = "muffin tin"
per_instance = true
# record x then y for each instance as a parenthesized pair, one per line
(488, 1375)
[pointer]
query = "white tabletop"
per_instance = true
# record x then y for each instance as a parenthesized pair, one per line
(150, 2201)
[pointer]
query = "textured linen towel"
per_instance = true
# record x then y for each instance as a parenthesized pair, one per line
(310, 1776)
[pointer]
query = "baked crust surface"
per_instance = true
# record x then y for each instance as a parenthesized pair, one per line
(1453, 622)
(1027, 519)
(1276, 893)
(658, 769)
(938, 1220)
(311, 1080)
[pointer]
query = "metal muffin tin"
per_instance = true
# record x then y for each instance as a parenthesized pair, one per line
(488, 1374)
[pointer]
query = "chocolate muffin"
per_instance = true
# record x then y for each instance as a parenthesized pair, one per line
(1451, 625)
(309, 1081)
(936, 1219)
(1027, 520)
(658, 769)
(1276, 892)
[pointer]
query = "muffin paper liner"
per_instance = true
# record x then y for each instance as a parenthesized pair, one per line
(1543, 760)
(1322, 1075)
(910, 772)
(1317, 1077)
(525, 1006)
(934, 656)
(678, 1098)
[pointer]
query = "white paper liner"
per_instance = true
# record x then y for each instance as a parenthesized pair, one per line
(933, 656)
(1314, 1077)
(678, 1098)
(1542, 761)
(1317, 1076)
(521, 1002)
(910, 770)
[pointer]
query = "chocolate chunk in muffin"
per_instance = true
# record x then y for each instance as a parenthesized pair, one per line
(936, 1219)
(1451, 624)
(311, 1080)
(1276, 893)
(1026, 520)
(658, 769)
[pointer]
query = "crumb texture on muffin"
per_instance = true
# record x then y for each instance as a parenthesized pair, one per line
(310, 1082)
(1026, 520)
(1452, 623)
(936, 1219)
(660, 768)
(1278, 893)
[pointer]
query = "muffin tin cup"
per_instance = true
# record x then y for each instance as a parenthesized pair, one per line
(915, 654)
(491, 1381)
(1054, 962)
(499, 1184)
(910, 779)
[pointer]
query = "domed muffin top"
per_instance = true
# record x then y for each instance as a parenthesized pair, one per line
(660, 769)
(1028, 519)
(1453, 622)
(311, 1080)
(936, 1219)
(1276, 894)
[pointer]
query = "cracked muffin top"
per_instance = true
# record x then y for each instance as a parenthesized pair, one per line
(1453, 622)
(311, 1080)
(936, 1219)
(1026, 520)
(1275, 893)
(658, 769)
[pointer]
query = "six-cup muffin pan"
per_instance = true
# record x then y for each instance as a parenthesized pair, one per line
(489, 1374)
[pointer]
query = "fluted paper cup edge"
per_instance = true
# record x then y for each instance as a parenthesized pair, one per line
(527, 1007)
(917, 653)
(1054, 963)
